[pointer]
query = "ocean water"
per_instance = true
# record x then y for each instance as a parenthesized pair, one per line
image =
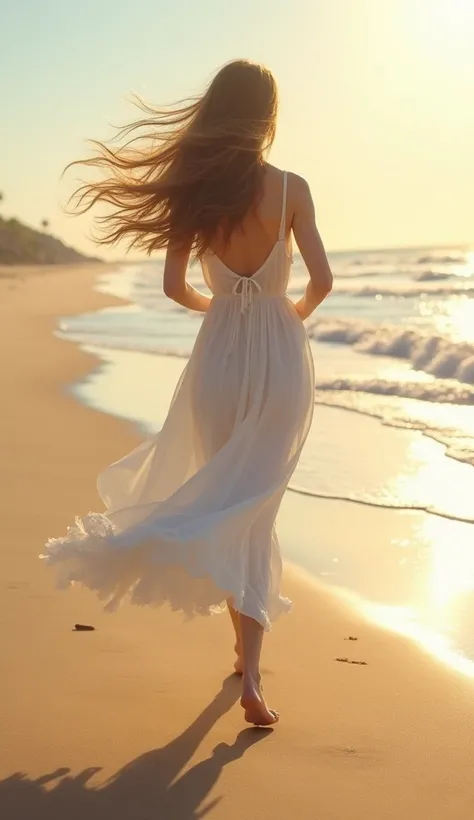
(393, 429)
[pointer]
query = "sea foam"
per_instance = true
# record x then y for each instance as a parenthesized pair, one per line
(435, 354)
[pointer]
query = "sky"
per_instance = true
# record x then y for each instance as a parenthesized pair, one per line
(377, 101)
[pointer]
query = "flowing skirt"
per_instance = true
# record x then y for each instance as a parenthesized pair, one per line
(190, 514)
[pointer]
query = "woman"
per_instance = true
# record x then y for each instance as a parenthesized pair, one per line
(190, 514)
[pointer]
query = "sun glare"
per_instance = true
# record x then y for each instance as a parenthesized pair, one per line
(445, 18)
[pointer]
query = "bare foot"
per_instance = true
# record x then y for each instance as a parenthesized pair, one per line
(256, 710)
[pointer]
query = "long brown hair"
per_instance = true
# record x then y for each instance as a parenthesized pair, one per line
(188, 171)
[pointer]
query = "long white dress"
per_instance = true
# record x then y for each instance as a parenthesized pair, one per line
(190, 514)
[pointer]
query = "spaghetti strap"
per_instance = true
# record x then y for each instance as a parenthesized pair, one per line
(281, 234)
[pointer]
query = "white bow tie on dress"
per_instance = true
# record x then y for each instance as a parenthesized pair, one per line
(243, 288)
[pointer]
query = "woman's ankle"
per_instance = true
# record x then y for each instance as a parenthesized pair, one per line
(251, 681)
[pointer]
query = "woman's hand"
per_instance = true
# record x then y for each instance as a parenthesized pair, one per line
(310, 301)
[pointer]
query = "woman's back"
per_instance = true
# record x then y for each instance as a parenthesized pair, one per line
(252, 242)
(254, 263)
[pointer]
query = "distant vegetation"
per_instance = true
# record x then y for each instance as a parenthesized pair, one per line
(21, 245)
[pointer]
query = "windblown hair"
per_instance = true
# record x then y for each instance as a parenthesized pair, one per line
(190, 171)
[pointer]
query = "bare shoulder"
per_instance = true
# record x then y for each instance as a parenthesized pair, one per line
(298, 188)
(297, 184)
(299, 199)
(293, 179)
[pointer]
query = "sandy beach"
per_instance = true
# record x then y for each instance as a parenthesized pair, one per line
(140, 718)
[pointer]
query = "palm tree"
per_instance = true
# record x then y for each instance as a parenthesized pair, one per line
(45, 224)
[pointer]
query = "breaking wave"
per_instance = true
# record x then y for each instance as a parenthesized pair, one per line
(443, 391)
(435, 354)
(409, 290)
(432, 276)
(447, 259)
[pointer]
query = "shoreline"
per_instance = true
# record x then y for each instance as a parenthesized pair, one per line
(384, 611)
(136, 713)
(113, 356)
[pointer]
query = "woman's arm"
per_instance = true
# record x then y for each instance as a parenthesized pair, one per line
(312, 250)
(174, 281)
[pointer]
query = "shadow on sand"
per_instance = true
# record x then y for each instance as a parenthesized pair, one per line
(147, 788)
